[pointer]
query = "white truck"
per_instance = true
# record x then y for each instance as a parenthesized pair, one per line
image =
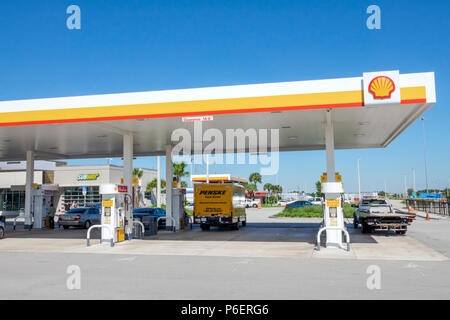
(376, 214)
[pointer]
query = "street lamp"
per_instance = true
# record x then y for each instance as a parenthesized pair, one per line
(359, 182)
(425, 152)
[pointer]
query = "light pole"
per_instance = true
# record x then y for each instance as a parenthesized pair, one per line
(359, 182)
(414, 179)
(406, 190)
(425, 153)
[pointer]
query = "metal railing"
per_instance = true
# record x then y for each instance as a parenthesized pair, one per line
(347, 236)
(142, 228)
(165, 218)
(441, 207)
(100, 226)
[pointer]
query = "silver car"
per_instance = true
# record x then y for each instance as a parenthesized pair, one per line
(79, 217)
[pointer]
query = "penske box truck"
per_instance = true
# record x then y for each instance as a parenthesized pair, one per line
(219, 204)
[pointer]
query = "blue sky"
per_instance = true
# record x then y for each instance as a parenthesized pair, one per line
(131, 45)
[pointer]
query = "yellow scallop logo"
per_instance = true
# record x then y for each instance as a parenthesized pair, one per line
(381, 87)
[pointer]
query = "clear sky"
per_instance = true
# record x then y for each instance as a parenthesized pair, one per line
(131, 45)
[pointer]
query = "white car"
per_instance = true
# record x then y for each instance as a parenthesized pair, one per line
(317, 201)
(251, 203)
(282, 203)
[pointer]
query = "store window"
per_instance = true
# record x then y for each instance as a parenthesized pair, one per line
(75, 194)
(12, 200)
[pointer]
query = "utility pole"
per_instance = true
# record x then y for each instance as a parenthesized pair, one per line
(207, 168)
(425, 152)
(406, 189)
(359, 182)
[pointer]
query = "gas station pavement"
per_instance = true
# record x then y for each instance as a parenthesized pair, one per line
(271, 258)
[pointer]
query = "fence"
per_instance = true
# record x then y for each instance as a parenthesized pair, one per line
(432, 206)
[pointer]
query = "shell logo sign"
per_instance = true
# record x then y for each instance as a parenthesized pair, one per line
(381, 87)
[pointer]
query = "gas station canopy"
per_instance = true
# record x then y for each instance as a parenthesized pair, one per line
(368, 112)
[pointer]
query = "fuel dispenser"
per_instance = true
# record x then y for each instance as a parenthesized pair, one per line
(114, 207)
(333, 214)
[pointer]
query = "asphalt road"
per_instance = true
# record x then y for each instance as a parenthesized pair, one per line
(43, 275)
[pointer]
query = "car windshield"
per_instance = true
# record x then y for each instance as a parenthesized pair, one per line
(374, 202)
(76, 211)
(145, 210)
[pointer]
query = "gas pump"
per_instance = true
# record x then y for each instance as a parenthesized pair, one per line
(178, 196)
(333, 213)
(40, 207)
(114, 207)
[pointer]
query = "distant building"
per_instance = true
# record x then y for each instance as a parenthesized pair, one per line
(59, 183)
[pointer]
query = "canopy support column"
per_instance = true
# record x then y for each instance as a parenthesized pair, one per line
(169, 186)
(128, 181)
(333, 215)
(158, 183)
(29, 185)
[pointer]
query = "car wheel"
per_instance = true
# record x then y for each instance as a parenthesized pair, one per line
(66, 227)
(364, 228)
(244, 223)
(255, 206)
(2, 233)
(87, 224)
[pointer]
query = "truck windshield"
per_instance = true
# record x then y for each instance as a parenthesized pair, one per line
(374, 202)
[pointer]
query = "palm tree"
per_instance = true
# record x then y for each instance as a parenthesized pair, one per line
(152, 184)
(178, 171)
(251, 189)
(268, 187)
(255, 178)
(277, 189)
(137, 173)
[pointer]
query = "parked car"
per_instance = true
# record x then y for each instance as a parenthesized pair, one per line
(317, 201)
(282, 203)
(80, 217)
(298, 204)
(2, 227)
(141, 213)
(251, 203)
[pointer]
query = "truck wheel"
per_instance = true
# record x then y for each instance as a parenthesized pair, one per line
(244, 223)
(66, 227)
(400, 232)
(205, 226)
(355, 223)
(365, 228)
(235, 226)
(2, 233)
